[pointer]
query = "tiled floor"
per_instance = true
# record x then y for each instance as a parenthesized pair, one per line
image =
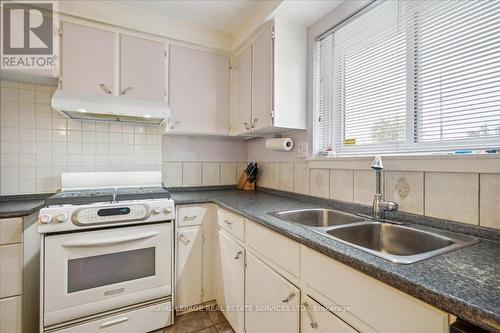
(203, 321)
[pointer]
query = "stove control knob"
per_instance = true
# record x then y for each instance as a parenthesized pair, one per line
(45, 219)
(61, 217)
(156, 210)
(168, 210)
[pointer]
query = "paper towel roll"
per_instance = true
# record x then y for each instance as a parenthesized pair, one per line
(281, 144)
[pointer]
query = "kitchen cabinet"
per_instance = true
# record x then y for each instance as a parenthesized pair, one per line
(195, 246)
(198, 92)
(142, 68)
(231, 282)
(88, 59)
(317, 319)
(11, 270)
(281, 299)
(11, 314)
(272, 93)
(244, 91)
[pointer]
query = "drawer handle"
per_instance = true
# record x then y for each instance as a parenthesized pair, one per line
(190, 218)
(103, 87)
(309, 314)
(183, 239)
(238, 255)
(124, 91)
(114, 322)
(246, 126)
(227, 222)
(289, 298)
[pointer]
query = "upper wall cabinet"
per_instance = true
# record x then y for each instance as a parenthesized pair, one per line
(275, 99)
(198, 92)
(142, 68)
(88, 58)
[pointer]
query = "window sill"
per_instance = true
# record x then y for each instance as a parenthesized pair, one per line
(477, 163)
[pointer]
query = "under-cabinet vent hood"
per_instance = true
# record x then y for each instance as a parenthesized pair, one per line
(110, 108)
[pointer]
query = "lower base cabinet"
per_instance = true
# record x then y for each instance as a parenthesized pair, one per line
(272, 303)
(11, 314)
(231, 289)
(317, 319)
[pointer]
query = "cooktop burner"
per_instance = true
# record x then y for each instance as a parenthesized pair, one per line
(84, 197)
(141, 193)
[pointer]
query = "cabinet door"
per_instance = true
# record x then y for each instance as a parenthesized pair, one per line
(281, 299)
(11, 315)
(142, 68)
(198, 91)
(11, 270)
(189, 266)
(317, 319)
(232, 281)
(244, 91)
(262, 80)
(88, 58)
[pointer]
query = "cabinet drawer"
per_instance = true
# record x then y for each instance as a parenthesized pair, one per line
(134, 321)
(378, 305)
(11, 315)
(11, 231)
(233, 223)
(282, 251)
(190, 215)
(11, 268)
(317, 319)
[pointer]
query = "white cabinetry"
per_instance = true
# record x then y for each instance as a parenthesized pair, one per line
(231, 282)
(11, 314)
(88, 58)
(317, 319)
(266, 288)
(142, 68)
(198, 92)
(195, 255)
(272, 93)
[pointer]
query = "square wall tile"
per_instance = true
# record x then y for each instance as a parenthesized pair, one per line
(364, 187)
(228, 174)
(342, 185)
(210, 174)
(263, 175)
(191, 174)
(319, 183)
(452, 196)
(489, 200)
(286, 177)
(406, 189)
(301, 178)
(274, 176)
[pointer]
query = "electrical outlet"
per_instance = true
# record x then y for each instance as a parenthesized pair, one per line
(302, 149)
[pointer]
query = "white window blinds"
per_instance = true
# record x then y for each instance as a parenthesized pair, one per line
(410, 76)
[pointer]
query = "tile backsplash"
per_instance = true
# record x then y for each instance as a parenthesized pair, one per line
(185, 174)
(471, 198)
(38, 143)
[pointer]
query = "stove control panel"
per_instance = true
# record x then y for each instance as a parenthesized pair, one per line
(74, 217)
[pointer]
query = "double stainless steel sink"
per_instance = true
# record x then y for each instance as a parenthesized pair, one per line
(389, 240)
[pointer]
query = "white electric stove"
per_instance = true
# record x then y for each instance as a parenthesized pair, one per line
(107, 254)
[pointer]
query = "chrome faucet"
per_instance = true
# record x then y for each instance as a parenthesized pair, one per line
(380, 206)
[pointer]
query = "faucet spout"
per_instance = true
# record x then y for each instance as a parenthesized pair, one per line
(380, 205)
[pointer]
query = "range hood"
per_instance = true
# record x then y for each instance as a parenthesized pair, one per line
(110, 108)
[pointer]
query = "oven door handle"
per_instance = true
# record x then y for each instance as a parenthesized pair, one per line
(111, 241)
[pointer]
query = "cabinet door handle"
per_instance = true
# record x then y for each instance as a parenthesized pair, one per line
(114, 322)
(289, 298)
(246, 126)
(124, 91)
(175, 123)
(238, 255)
(309, 314)
(253, 122)
(227, 222)
(103, 87)
(190, 218)
(183, 239)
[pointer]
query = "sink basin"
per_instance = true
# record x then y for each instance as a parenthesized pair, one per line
(318, 218)
(399, 244)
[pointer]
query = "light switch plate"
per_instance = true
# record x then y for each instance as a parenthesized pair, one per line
(302, 149)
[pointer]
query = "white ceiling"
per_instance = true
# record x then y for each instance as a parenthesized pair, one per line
(221, 15)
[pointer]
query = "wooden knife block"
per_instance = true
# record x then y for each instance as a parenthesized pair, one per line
(244, 182)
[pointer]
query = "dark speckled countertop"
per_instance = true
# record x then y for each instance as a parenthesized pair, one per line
(21, 205)
(465, 282)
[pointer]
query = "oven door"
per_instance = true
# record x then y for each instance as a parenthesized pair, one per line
(90, 272)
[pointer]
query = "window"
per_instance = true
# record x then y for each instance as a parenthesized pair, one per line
(409, 76)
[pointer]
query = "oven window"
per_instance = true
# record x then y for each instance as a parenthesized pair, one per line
(96, 271)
